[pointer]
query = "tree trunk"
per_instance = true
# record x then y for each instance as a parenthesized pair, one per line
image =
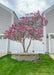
(23, 45)
(28, 45)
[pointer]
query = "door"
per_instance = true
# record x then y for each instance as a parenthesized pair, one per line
(52, 44)
(3, 45)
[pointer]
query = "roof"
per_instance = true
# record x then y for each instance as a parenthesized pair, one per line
(49, 9)
(7, 9)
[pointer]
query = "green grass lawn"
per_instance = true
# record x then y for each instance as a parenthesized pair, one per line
(10, 66)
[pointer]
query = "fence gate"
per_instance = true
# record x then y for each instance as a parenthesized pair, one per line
(3, 45)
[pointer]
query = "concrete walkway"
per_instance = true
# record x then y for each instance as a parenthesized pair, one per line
(52, 56)
(2, 55)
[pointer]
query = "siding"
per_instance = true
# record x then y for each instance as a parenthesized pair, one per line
(5, 20)
(50, 26)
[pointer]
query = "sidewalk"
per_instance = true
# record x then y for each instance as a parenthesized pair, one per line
(52, 56)
(2, 55)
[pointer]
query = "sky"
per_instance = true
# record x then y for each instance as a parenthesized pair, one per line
(22, 7)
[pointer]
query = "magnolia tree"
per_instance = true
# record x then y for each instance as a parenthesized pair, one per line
(30, 26)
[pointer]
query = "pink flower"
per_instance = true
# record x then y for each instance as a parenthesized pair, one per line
(25, 26)
(26, 14)
(25, 20)
(23, 17)
(21, 36)
(42, 14)
(19, 22)
(46, 21)
(12, 26)
(36, 30)
(33, 17)
(7, 31)
(20, 31)
(31, 13)
(19, 28)
(30, 33)
(14, 31)
(40, 32)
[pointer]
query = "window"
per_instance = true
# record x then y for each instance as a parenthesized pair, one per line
(4, 38)
(47, 35)
(0, 37)
(30, 23)
(52, 36)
